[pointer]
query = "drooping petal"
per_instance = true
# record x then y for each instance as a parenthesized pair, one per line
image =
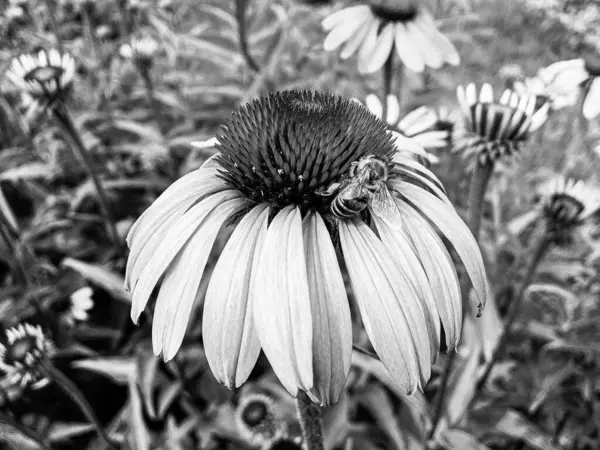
(591, 104)
(393, 319)
(451, 225)
(385, 42)
(332, 324)
(395, 241)
(230, 340)
(420, 173)
(341, 34)
(374, 105)
(148, 231)
(438, 40)
(340, 17)
(281, 302)
(357, 39)
(181, 283)
(440, 271)
(393, 112)
(368, 47)
(407, 52)
(173, 241)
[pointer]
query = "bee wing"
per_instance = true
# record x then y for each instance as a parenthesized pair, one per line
(384, 206)
(353, 189)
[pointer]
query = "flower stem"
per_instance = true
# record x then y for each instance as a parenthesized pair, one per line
(311, 422)
(73, 392)
(540, 250)
(388, 68)
(66, 122)
(479, 183)
(154, 104)
(240, 14)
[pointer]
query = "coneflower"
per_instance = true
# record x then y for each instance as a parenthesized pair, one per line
(376, 28)
(288, 179)
(256, 419)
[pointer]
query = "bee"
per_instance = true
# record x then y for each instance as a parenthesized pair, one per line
(365, 186)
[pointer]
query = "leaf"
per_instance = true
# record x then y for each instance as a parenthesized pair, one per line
(138, 433)
(148, 370)
(513, 424)
(60, 431)
(167, 396)
(453, 439)
(119, 368)
(100, 276)
(16, 439)
(30, 171)
(549, 384)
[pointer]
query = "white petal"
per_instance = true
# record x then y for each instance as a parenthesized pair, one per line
(440, 271)
(395, 239)
(451, 225)
(374, 105)
(591, 104)
(341, 34)
(408, 53)
(394, 322)
(209, 143)
(540, 117)
(393, 109)
(174, 240)
(332, 324)
(471, 94)
(281, 302)
(181, 283)
(432, 139)
(486, 95)
(418, 121)
(368, 46)
(385, 42)
(340, 17)
(356, 41)
(438, 40)
(230, 340)
(421, 173)
(430, 54)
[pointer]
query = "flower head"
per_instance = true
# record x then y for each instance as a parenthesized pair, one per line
(44, 79)
(140, 51)
(423, 125)
(376, 28)
(81, 303)
(255, 418)
(25, 349)
(298, 175)
(566, 204)
(497, 127)
(558, 96)
(567, 77)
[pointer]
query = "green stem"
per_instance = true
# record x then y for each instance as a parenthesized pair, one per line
(541, 248)
(154, 104)
(479, 183)
(64, 119)
(240, 14)
(388, 68)
(311, 422)
(73, 392)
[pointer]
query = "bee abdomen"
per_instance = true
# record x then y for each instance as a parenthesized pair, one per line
(346, 208)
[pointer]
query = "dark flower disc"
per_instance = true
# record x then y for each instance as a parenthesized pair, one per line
(255, 413)
(394, 10)
(288, 147)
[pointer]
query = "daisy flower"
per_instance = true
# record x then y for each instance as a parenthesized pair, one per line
(568, 76)
(255, 418)
(375, 29)
(81, 303)
(278, 285)
(25, 349)
(496, 127)
(566, 204)
(44, 79)
(420, 124)
(557, 95)
(140, 51)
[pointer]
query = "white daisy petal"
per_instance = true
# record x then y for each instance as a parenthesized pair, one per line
(173, 241)
(332, 324)
(374, 105)
(230, 340)
(394, 322)
(357, 39)
(438, 40)
(393, 109)
(591, 104)
(367, 47)
(432, 139)
(281, 302)
(385, 42)
(342, 16)
(407, 52)
(395, 239)
(486, 95)
(451, 225)
(418, 120)
(429, 52)
(182, 281)
(341, 34)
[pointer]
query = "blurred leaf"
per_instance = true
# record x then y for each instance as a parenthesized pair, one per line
(7, 213)
(453, 439)
(30, 171)
(60, 431)
(138, 433)
(100, 276)
(549, 385)
(167, 396)
(119, 369)
(148, 369)
(17, 440)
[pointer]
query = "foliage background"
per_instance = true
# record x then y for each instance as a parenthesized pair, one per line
(543, 394)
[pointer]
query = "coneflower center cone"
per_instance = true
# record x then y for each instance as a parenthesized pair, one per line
(44, 74)
(287, 148)
(564, 210)
(394, 10)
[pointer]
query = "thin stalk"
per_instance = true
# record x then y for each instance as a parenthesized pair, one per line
(73, 392)
(240, 15)
(64, 119)
(541, 248)
(154, 104)
(311, 422)
(479, 183)
(388, 68)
